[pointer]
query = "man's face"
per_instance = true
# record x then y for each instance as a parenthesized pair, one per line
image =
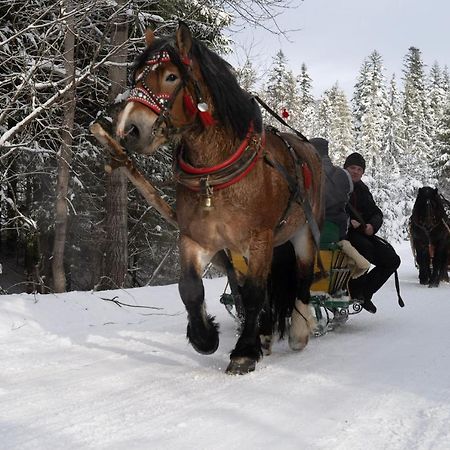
(356, 172)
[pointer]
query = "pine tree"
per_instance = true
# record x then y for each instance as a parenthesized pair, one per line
(335, 123)
(247, 76)
(417, 118)
(307, 111)
(280, 93)
(370, 107)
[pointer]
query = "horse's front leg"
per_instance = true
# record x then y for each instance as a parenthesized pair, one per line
(254, 291)
(202, 331)
(302, 319)
(423, 261)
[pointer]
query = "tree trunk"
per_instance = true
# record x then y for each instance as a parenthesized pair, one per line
(116, 254)
(64, 159)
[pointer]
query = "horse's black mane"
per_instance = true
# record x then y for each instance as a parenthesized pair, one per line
(233, 106)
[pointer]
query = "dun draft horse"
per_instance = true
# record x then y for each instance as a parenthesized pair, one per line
(430, 236)
(239, 188)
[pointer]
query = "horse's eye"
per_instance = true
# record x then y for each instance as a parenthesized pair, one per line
(171, 77)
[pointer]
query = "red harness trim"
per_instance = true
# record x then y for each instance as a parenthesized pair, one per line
(307, 176)
(140, 95)
(209, 170)
(205, 172)
(243, 174)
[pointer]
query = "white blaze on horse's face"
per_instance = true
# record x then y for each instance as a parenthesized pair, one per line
(136, 122)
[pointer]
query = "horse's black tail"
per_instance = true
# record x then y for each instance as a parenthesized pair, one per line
(282, 287)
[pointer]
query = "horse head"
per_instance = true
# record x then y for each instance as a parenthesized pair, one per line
(161, 78)
(180, 86)
(428, 207)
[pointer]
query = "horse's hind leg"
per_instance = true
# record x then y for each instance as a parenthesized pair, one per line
(202, 331)
(254, 291)
(439, 265)
(302, 319)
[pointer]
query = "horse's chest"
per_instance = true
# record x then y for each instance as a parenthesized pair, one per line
(215, 232)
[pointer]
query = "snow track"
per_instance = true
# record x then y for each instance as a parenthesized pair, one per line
(80, 373)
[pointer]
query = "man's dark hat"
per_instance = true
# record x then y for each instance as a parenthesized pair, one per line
(355, 159)
(321, 146)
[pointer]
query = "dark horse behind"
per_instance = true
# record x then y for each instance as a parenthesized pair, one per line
(240, 188)
(429, 228)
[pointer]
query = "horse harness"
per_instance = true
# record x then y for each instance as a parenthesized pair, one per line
(206, 180)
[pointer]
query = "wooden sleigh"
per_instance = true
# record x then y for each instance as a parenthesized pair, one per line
(330, 299)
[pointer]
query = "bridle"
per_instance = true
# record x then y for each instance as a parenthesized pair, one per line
(202, 180)
(430, 221)
(162, 103)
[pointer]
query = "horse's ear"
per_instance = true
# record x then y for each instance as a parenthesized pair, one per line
(184, 39)
(149, 37)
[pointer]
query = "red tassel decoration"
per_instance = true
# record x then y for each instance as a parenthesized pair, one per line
(206, 118)
(189, 105)
(307, 176)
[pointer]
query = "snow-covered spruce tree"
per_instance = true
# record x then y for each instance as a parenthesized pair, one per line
(247, 76)
(370, 107)
(307, 110)
(419, 152)
(442, 142)
(377, 128)
(397, 189)
(334, 123)
(280, 92)
(438, 98)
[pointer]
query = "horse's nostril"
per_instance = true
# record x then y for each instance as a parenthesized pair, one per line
(133, 132)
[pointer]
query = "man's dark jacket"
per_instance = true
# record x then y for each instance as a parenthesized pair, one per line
(362, 201)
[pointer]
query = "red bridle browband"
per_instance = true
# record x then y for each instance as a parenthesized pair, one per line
(143, 94)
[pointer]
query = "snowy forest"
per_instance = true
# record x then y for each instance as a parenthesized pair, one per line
(66, 224)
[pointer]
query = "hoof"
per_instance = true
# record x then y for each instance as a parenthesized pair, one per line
(206, 350)
(433, 285)
(241, 366)
(302, 325)
(296, 344)
(206, 340)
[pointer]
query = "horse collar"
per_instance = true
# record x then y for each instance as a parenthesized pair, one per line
(207, 179)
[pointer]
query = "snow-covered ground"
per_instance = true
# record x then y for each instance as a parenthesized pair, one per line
(78, 372)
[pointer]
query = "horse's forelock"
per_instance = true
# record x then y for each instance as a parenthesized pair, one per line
(424, 195)
(159, 45)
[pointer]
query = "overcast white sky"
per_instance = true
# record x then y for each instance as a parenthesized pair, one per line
(335, 36)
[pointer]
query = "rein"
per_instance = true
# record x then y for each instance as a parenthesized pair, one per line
(429, 225)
